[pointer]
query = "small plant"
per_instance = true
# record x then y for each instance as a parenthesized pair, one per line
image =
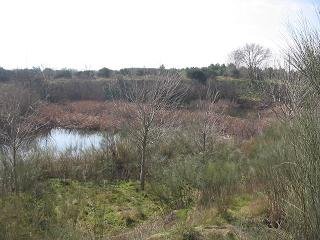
(191, 234)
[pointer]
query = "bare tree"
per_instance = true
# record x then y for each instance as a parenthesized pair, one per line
(251, 56)
(204, 126)
(148, 109)
(17, 128)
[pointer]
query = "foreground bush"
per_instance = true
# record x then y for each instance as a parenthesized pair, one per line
(289, 168)
(210, 179)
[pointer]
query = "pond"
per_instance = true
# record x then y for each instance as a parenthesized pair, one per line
(63, 139)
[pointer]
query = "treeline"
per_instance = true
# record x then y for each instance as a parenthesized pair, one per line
(195, 73)
(234, 90)
(247, 62)
(216, 70)
(51, 74)
(70, 85)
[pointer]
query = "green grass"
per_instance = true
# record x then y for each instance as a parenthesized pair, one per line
(77, 209)
(242, 220)
(73, 210)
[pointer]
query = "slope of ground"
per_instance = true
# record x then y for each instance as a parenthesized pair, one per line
(73, 210)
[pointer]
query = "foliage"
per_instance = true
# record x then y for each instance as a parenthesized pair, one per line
(5, 75)
(63, 73)
(209, 179)
(288, 167)
(196, 74)
(104, 72)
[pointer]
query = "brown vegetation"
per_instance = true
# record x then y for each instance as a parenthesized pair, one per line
(94, 115)
(89, 115)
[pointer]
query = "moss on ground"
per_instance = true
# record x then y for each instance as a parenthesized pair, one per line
(72, 209)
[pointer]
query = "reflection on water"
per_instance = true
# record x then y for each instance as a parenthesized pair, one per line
(62, 140)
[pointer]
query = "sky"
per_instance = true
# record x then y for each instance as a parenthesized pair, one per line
(91, 34)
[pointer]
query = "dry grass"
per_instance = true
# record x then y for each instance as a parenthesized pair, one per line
(94, 115)
(90, 115)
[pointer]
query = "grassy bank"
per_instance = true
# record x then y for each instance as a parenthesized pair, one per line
(73, 210)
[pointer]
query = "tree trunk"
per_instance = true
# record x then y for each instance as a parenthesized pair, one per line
(15, 177)
(143, 161)
(204, 142)
(204, 138)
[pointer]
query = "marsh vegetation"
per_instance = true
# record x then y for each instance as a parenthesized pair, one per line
(221, 152)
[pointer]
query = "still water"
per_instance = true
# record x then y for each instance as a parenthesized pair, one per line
(62, 140)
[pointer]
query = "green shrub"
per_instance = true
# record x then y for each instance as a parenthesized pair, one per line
(191, 234)
(288, 165)
(104, 72)
(179, 182)
(196, 74)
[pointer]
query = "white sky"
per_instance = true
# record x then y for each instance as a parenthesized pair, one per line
(90, 34)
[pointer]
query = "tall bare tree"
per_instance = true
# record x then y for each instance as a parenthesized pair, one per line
(148, 109)
(252, 56)
(17, 128)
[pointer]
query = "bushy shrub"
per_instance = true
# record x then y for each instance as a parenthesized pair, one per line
(191, 234)
(209, 179)
(63, 73)
(196, 74)
(175, 183)
(75, 90)
(5, 75)
(87, 74)
(288, 164)
(221, 175)
(104, 72)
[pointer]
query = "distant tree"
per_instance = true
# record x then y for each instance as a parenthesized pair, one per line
(31, 79)
(197, 74)
(215, 70)
(211, 71)
(270, 73)
(63, 73)
(87, 74)
(104, 72)
(125, 71)
(4, 75)
(252, 56)
(48, 73)
(232, 71)
(141, 71)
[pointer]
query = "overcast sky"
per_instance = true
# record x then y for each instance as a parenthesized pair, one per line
(90, 34)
